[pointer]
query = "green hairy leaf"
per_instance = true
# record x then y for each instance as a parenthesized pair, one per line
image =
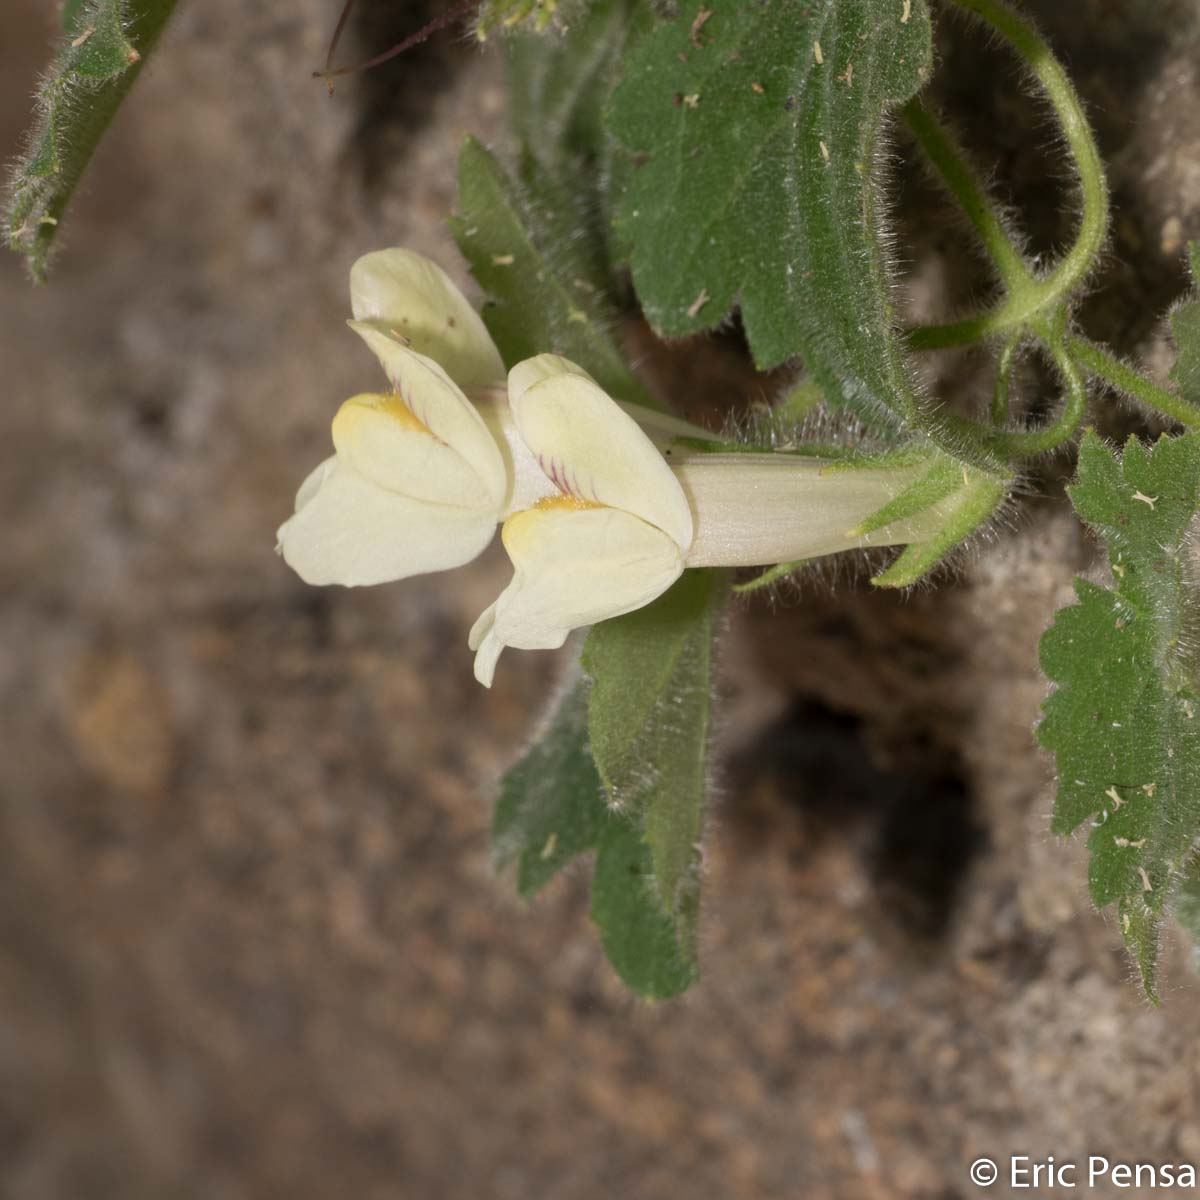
(1124, 720)
(559, 87)
(642, 942)
(551, 806)
(104, 46)
(544, 281)
(757, 133)
(1185, 326)
(551, 809)
(72, 16)
(558, 84)
(648, 722)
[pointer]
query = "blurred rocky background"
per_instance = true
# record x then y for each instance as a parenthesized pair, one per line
(251, 944)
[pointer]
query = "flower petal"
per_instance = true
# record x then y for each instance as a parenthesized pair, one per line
(382, 440)
(401, 292)
(540, 368)
(440, 406)
(660, 427)
(575, 564)
(486, 644)
(348, 530)
(527, 482)
(313, 481)
(591, 448)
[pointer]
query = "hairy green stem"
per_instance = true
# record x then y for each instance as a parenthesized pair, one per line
(102, 52)
(1105, 365)
(1004, 369)
(1005, 317)
(1046, 69)
(956, 174)
(1026, 295)
(1028, 298)
(1024, 443)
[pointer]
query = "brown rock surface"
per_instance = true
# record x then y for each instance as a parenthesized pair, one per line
(250, 941)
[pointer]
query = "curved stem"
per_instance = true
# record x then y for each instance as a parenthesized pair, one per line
(1048, 71)
(1024, 443)
(338, 30)
(1004, 368)
(1012, 313)
(956, 173)
(1105, 365)
(1029, 297)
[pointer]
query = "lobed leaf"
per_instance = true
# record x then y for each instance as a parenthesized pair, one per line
(560, 83)
(758, 130)
(1122, 721)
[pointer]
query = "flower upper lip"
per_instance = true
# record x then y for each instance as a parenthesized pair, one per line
(617, 535)
(400, 292)
(591, 448)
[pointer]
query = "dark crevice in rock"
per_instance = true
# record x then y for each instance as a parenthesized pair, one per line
(915, 825)
(395, 99)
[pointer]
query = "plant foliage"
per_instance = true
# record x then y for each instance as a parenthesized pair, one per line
(759, 130)
(551, 809)
(1124, 720)
(544, 279)
(104, 46)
